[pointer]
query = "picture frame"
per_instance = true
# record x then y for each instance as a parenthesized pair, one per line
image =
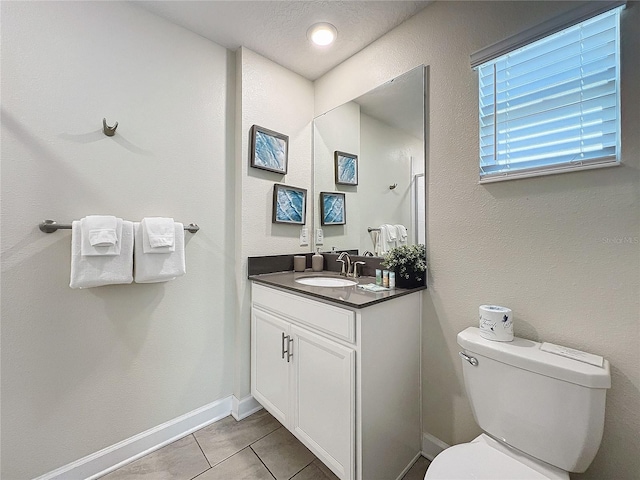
(333, 208)
(346, 168)
(289, 204)
(269, 150)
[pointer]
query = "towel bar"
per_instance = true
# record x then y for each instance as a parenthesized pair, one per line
(369, 229)
(50, 226)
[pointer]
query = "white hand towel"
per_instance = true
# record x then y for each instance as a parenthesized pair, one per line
(388, 236)
(100, 235)
(375, 239)
(97, 270)
(103, 237)
(402, 231)
(402, 234)
(393, 232)
(153, 268)
(158, 235)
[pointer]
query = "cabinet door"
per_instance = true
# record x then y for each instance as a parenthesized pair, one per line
(269, 371)
(324, 399)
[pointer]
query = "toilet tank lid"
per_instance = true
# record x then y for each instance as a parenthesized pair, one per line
(526, 354)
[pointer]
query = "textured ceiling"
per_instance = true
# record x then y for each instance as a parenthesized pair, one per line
(277, 30)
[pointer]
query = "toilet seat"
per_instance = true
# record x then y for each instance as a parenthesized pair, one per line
(487, 459)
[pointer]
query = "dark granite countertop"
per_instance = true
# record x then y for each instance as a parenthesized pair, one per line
(351, 296)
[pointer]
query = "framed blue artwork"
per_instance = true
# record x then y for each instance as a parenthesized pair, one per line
(269, 150)
(346, 168)
(332, 208)
(289, 204)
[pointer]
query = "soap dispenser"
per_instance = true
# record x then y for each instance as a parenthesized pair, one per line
(317, 261)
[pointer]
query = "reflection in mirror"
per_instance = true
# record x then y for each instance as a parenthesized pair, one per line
(385, 130)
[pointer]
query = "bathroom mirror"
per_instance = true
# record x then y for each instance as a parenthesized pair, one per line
(384, 130)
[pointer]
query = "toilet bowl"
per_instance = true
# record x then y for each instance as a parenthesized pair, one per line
(542, 413)
(487, 459)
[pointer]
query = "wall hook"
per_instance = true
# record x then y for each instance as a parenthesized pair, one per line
(108, 131)
(391, 187)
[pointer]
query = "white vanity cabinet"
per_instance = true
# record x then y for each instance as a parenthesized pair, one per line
(345, 382)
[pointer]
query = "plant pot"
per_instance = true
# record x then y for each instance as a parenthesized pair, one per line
(412, 281)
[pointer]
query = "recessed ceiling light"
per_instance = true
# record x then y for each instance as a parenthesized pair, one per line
(322, 34)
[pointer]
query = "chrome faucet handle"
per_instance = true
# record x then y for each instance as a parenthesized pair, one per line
(355, 269)
(346, 262)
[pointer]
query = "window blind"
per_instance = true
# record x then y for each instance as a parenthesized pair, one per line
(552, 105)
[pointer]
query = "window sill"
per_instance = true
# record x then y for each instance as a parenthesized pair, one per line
(550, 171)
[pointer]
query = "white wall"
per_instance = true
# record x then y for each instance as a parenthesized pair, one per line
(278, 99)
(339, 130)
(386, 160)
(84, 369)
(562, 251)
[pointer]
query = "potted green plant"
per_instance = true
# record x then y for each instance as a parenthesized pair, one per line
(410, 264)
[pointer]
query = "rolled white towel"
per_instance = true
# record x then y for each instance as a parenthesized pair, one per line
(97, 270)
(153, 268)
(158, 235)
(101, 235)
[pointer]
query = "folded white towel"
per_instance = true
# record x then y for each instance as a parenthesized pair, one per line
(103, 237)
(402, 231)
(100, 235)
(388, 235)
(152, 268)
(393, 232)
(96, 270)
(158, 235)
(402, 234)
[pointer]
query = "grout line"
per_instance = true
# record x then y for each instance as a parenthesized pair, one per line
(238, 451)
(241, 448)
(200, 447)
(312, 460)
(266, 434)
(265, 465)
(202, 473)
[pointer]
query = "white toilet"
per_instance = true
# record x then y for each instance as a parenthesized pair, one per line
(543, 413)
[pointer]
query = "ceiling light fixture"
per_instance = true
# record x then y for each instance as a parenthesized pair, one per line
(322, 34)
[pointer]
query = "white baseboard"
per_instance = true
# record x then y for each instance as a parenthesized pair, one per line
(111, 458)
(243, 408)
(432, 446)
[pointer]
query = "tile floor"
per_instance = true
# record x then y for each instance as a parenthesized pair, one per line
(256, 448)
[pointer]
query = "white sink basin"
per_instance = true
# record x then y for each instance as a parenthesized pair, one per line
(326, 281)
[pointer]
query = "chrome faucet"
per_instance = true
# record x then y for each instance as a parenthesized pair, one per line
(346, 264)
(355, 269)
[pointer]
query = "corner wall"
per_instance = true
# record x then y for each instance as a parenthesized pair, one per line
(275, 98)
(85, 369)
(562, 251)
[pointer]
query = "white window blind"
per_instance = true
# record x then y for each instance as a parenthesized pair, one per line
(552, 105)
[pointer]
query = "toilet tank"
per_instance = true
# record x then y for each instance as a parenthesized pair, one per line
(546, 405)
